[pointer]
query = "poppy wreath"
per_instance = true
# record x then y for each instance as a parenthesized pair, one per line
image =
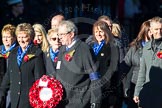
(69, 56)
(159, 54)
(28, 57)
(46, 92)
(5, 55)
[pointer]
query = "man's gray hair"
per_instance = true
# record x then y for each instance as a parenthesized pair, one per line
(70, 26)
(156, 19)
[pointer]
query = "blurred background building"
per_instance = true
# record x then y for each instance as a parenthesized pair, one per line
(129, 13)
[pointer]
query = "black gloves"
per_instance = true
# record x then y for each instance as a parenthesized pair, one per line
(95, 105)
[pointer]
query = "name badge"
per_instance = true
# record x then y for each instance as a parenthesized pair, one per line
(58, 65)
(102, 54)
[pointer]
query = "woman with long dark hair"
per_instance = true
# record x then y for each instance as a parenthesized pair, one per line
(106, 54)
(132, 60)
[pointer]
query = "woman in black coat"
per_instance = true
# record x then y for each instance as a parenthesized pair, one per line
(9, 43)
(106, 54)
(25, 67)
(51, 53)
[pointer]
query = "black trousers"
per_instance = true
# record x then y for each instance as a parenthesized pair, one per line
(130, 101)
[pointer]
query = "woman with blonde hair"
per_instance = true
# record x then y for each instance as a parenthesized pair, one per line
(25, 67)
(40, 36)
(117, 33)
(116, 30)
(9, 43)
(50, 55)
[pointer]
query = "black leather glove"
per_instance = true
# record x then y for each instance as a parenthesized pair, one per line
(95, 105)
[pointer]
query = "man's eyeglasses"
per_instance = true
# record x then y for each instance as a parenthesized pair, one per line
(63, 34)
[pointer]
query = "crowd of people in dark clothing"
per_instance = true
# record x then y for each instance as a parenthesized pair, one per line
(103, 70)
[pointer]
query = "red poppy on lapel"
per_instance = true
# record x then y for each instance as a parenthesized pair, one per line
(5, 55)
(68, 56)
(159, 54)
(55, 59)
(28, 57)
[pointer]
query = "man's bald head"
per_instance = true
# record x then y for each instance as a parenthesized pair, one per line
(56, 20)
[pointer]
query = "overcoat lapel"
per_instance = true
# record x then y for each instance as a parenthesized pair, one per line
(160, 47)
(31, 50)
(49, 62)
(14, 59)
(74, 46)
(71, 64)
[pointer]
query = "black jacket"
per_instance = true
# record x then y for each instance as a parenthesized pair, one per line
(79, 89)
(20, 79)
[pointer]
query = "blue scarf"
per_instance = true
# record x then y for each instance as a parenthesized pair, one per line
(53, 54)
(4, 51)
(97, 47)
(143, 43)
(20, 54)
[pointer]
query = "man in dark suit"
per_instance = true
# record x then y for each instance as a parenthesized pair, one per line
(76, 70)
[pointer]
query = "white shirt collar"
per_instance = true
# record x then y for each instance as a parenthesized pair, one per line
(73, 42)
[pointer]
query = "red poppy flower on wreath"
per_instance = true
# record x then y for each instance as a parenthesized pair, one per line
(46, 92)
(68, 56)
(159, 54)
(28, 57)
(5, 55)
(55, 59)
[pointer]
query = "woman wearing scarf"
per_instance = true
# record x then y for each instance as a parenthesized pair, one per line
(25, 67)
(9, 43)
(106, 54)
(50, 55)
